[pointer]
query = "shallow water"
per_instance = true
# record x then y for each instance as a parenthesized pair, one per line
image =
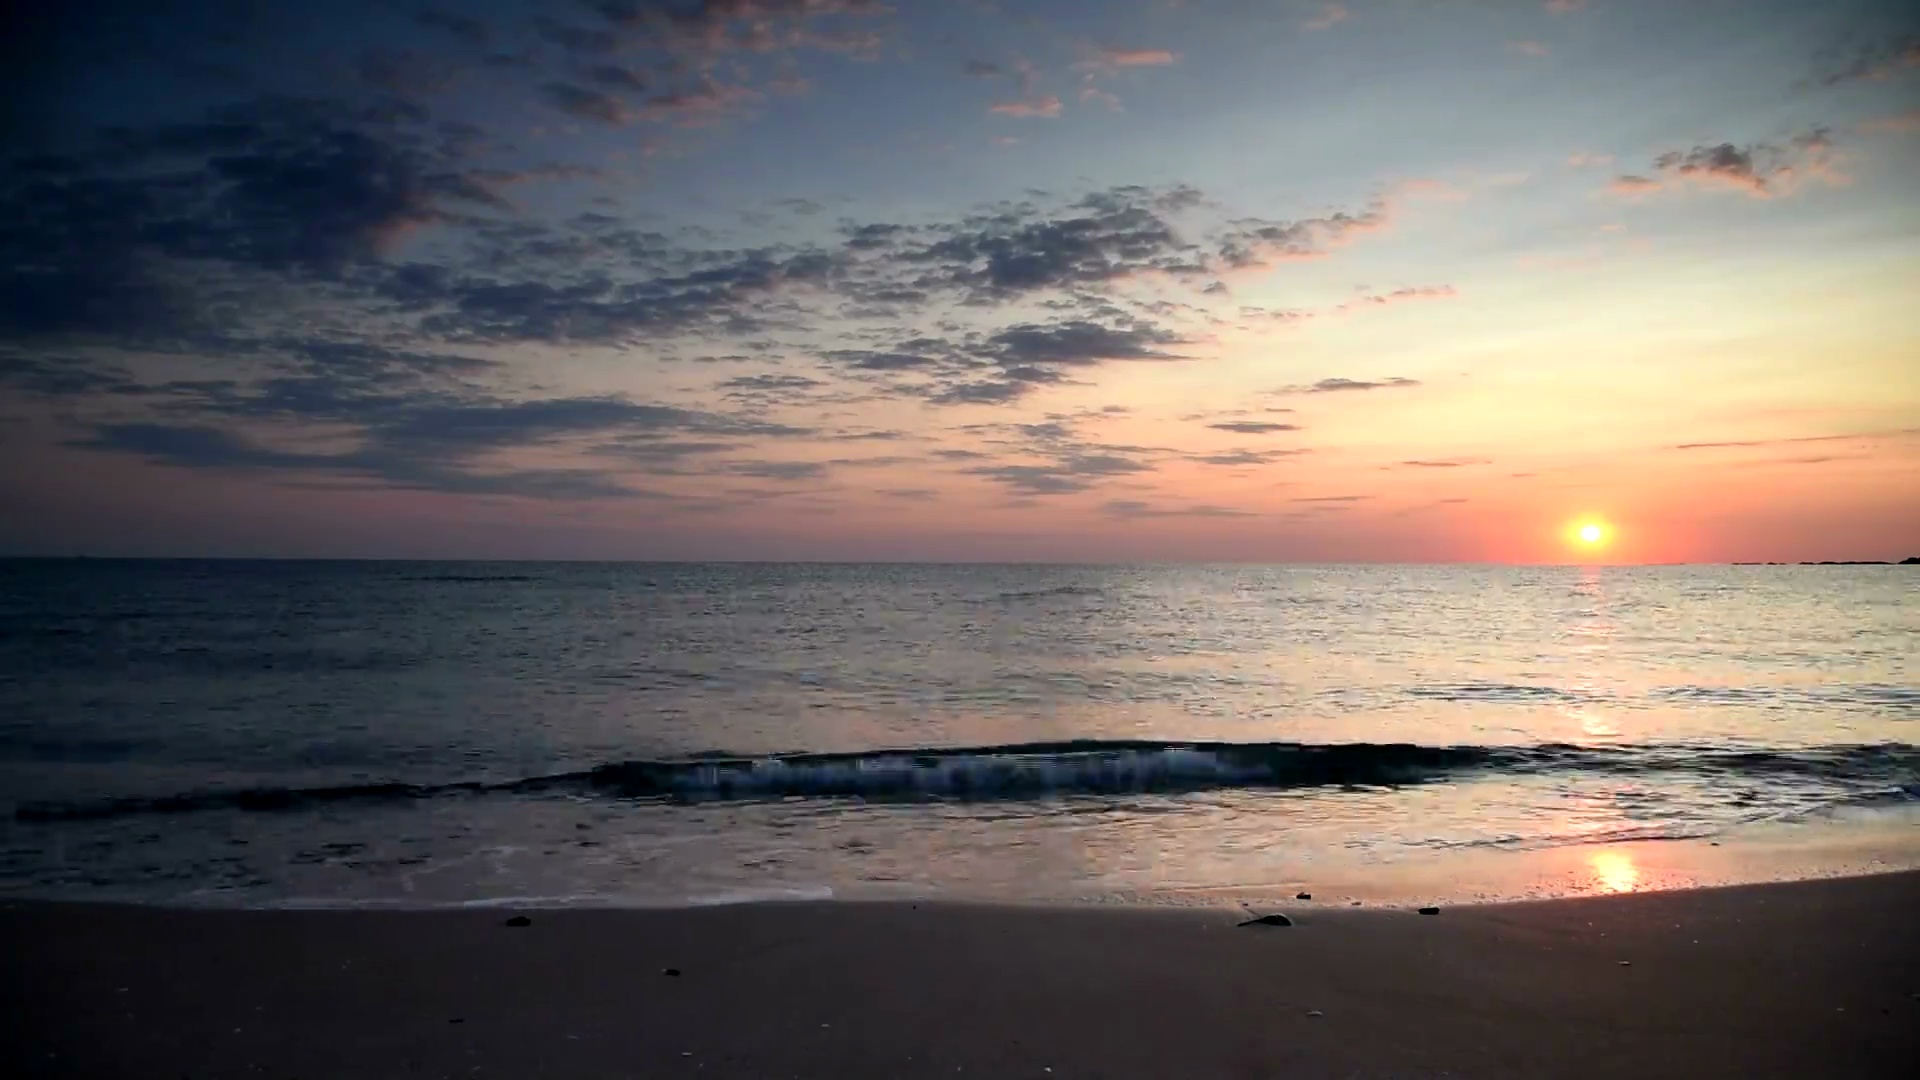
(641, 733)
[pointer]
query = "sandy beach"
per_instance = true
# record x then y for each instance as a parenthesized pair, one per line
(1803, 979)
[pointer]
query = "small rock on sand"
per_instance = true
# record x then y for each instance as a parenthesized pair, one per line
(671, 972)
(1429, 911)
(1303, 896)
(1315, 1013)
(519, 920)
(1268, 920)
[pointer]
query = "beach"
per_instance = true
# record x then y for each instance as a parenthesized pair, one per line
(1813, 978)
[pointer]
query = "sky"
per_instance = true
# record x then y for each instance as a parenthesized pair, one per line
(1220, 280)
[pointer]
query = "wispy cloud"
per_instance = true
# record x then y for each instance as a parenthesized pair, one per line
(1106, 57)
(1253, 427)
(1877, 62)
(1897, 124)
(1339, 385)
(1046, 107)
(1330, 16)
(1530, 48)
(1565, 7)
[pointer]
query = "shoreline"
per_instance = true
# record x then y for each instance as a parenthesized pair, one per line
(1804, 978)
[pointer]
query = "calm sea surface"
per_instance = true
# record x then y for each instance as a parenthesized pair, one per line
(432, 733)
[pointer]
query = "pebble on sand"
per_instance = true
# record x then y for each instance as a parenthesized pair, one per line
(1429, 911)
(519, 920)
(1303, 896)
(671, 972)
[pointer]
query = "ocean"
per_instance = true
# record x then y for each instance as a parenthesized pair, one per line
(245, 733)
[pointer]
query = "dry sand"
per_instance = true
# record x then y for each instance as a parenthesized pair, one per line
(1806, 979)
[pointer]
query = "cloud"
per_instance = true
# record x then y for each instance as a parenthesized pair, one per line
(1245, 457)
(1877, 62)
(1046, 107)
(909, 494)
(466, 28)
(707, 101)
(200, 447)
(1565, 7)
(1530, 48)
(1334, 499)
(1761, 170)
(1897, 433)
(1134, 508)
(1072, 473)
(1331, 15)
(1079, 344)
(618, 77)
(778, 470)
(1898, 123)
(1589, 161)
(1253, 427)
(1121, 58)
(1445, 463)
(1338, 385)
(982, 69)
(1111, 101)
(588, 104)
(1254, 242)
(1397, 296)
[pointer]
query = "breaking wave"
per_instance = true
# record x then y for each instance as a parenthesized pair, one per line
(1090, 767)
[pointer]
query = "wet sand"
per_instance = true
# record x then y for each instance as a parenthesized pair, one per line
(1804, 979)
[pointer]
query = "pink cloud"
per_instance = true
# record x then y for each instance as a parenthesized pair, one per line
(1400, 296)
(1111, 101)
(1589, 161)
(1761, 170)
(1137, 57)
(1529, 48)
(1046, 107)
(1330, 16)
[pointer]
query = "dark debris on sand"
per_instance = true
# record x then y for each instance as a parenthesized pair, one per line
(519, 920)
(1268, 920)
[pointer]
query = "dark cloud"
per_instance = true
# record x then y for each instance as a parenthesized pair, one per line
(982, 69)
(1245, 457)
(778, 470)
(771, 383)
(1079, 344)
(1253, 427)
(991, 392)
(1134, 508)
(1761, 170)
(588, 104)
(618, 77)
(1876, 61)
(910, 494)
(1444, 463)
(1003, 255)
(1337, 385)
(216, 449)
(468, 29)
(1253, 242)
(871, 360)
(1071, 471)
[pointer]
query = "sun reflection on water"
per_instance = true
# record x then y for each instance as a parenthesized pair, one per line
(1615, 871)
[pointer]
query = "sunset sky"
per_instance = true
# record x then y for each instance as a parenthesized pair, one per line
(1421, 280)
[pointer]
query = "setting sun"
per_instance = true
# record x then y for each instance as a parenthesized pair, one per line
(1589, 534)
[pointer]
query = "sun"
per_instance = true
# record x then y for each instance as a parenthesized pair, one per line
(1589, 534)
